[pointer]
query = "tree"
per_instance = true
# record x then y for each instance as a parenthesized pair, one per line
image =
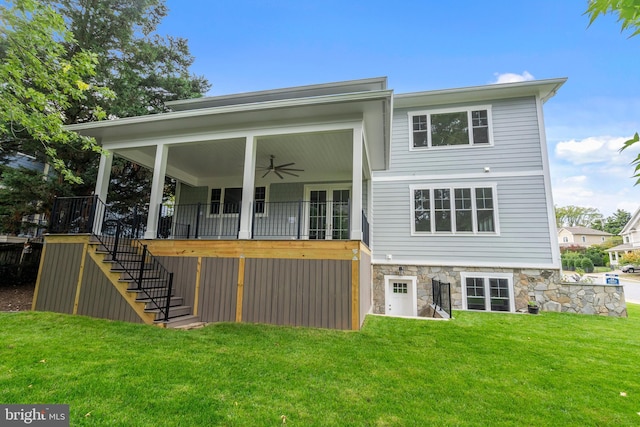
(576, 216)
(143, 70)
(615, 223)
(628, 14)
(40, 81)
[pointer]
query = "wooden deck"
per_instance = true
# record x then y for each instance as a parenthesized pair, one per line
(286, 282)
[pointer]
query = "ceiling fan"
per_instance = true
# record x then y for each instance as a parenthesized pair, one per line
(280, 169)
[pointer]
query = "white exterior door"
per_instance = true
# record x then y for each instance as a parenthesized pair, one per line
(400, 296)
(328, 213)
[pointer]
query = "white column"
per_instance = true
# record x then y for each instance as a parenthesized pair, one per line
(102, 188)
(356, 186)
(104, 175)
(157, 187)
(248, 187)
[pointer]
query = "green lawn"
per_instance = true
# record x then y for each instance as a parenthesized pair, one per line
(480, 369)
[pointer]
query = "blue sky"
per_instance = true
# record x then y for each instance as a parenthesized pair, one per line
(247, 45)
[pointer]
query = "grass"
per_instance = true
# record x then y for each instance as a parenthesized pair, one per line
(480, 369)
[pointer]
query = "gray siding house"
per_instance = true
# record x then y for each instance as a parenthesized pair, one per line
(316, 205)
(466, 200)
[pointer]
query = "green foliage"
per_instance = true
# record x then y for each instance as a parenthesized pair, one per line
(40, 81)
(627, 11)
(628, 14)
(587, 265)
(114, 373)
(615, 223)
(636, 161)
(632, 258)
(576, 216)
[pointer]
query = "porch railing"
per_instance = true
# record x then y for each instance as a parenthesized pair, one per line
(199, 220)
(270, 220)
(118, 235)
(441, 296)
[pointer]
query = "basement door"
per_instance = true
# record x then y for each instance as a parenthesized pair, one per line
(328, 213)
(400, 296)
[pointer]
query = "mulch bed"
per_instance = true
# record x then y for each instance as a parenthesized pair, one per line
(16, 297)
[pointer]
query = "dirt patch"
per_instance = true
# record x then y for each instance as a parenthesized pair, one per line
(16, 297)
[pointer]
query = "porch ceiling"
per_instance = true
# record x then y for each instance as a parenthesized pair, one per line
(322, 155)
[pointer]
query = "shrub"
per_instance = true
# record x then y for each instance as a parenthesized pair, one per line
(570, 264)
(631, 258)
(587, 265)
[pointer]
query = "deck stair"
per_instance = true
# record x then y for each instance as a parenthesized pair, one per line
(146, 282)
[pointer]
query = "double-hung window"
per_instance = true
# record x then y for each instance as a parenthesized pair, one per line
(488, 291)
(451, 127)
(454, 209)
(228, 200)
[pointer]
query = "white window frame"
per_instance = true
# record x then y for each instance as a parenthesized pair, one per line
(452, 187)
(223, 190)
(485, 276)
(468, 110)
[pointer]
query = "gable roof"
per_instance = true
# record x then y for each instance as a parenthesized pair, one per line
(633, 223)
(585, 231)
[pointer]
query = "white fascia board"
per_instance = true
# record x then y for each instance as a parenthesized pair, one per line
(464, 264)
(153, 140)
(285, 103)
(348, 86)
(545, 89)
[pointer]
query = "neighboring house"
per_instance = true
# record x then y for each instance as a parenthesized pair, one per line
(630, 239)
(581, 236)
(316, 205)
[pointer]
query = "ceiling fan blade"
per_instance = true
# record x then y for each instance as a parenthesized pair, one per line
(285, 165)
(278, 173)
(268, 170)
(287, 172)
(291, 169)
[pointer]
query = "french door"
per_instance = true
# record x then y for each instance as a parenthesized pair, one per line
(328, 212)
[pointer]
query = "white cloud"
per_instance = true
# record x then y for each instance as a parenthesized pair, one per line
(591, 150)
(512, 77)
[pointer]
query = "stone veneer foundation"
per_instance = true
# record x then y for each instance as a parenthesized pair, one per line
(541, 285)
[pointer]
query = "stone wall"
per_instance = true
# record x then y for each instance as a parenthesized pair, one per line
(583, 298)
(541, 285)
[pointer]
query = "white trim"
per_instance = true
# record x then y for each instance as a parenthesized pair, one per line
(453, 187)
(240, 133)
(463, 264)
(485, 276)
(450, 177)
(413, 280)
(551, 216)
(466, 109)
(236, 108)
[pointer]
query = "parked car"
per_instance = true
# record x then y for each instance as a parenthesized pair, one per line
(630, 268)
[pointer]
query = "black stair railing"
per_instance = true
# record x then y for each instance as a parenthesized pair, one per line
(119, 236)
(441, 296)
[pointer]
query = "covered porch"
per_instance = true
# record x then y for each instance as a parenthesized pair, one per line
(287, 164)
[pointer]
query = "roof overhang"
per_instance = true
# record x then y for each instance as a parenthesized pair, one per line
(544, 89)
(372, 107)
